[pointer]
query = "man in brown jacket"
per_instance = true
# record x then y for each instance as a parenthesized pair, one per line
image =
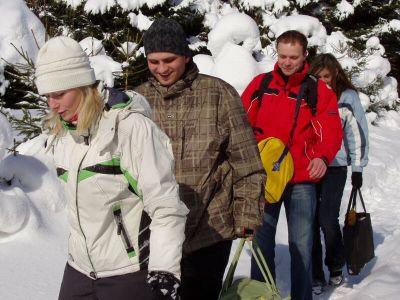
(217, 163)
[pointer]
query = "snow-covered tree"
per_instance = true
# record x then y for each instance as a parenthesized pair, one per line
(369, 38)
(362, 34)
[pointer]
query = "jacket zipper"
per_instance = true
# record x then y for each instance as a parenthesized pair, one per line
(93, 273)
(121, 231)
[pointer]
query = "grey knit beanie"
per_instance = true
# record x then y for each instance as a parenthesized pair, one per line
(61, 64)
(166, 35)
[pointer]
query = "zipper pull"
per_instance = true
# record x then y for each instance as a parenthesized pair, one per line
(119, 226)
(118, 220)
(93, 275)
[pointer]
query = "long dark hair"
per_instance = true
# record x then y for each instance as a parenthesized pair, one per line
(340, 81)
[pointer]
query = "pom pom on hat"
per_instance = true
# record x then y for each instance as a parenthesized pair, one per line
(61, 64)
(166, 35)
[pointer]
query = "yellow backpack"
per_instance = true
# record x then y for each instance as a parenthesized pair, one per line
(278, 164)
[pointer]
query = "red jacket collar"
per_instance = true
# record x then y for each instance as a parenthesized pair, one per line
(294, 80)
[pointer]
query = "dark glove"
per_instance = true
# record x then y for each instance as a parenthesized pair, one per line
(164, 284)
(243, 232)
(356, 179)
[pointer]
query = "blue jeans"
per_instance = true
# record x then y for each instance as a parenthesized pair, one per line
(300, 202)
(329, 195)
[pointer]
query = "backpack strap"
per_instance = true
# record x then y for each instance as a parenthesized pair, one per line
(277, 164)
(259, 93)
(297, 110)
(311, 94)
(265, 81)
(309, 85)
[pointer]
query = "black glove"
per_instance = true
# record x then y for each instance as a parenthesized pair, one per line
(243, 232)
(356, 179)
(164, 284)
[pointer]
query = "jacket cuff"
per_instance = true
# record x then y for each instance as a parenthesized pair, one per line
(325, 159)
(356, 169)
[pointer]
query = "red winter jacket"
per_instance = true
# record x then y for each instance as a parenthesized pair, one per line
(314, 136)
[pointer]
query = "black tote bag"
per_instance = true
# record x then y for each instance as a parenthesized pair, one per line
(357, 235)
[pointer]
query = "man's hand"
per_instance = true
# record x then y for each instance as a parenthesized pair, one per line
(317, 168)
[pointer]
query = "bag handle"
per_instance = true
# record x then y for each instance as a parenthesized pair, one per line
(353, 200)
(260, 260)
(362, 200)
(229, 276)
(261, 263)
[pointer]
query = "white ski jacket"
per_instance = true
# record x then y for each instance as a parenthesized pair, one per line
(122, 194)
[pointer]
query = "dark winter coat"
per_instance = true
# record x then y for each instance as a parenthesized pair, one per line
(217, 163)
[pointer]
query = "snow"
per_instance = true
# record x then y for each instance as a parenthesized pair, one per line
(275, 6)
(231, 59)
(311, 27)
(336, 43)
(104, 66)
(394, 25)
(344, 9)
(5, 136)
(98, 6)
(225, 31)
(33, 225)
(19, 27)
(101, 6)
(92, 46)
(139, 21)
(73, 3)
(3, 82)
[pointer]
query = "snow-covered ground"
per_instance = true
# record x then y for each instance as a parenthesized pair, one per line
(33, 227)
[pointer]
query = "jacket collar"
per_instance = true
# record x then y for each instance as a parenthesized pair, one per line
(295, 80)
(178, 87)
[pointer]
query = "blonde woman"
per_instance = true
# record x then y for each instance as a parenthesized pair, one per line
(126, 219)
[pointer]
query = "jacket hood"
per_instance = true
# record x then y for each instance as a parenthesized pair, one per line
(125, 100)
(138, 104)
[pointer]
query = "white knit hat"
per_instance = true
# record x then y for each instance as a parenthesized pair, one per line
(61, 64)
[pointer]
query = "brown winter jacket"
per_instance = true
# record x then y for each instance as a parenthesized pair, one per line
(217, 163)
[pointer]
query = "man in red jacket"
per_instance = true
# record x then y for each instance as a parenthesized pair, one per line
(316, 139)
